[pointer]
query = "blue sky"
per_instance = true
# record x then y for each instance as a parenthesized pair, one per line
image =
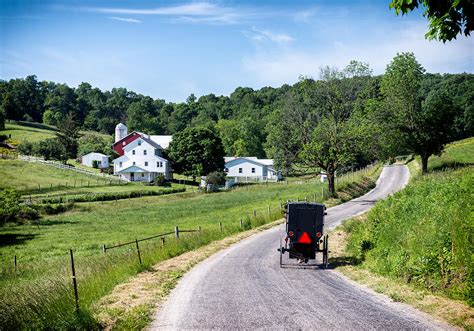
(170, 49)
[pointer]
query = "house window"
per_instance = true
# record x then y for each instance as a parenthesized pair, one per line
(144, 152)
(146, 164)
(139, 143)
(133, 162)
(133, 152)
(240, 170)
(143, 175)
(253, 170)
(157, 151)
(159, 164)
(120, 164)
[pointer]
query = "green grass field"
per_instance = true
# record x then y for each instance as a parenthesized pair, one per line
(425, 233)
(27, 177)
(20, 133)
(42, 249)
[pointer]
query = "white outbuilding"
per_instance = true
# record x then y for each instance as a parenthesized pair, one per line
(250, 169)
(102, 160)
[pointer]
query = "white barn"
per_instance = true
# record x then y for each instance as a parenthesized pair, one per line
(142, 161)
(250, 169)
(102, 160)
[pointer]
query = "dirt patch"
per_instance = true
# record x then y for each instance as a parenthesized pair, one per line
(131, 304)
(441, 308)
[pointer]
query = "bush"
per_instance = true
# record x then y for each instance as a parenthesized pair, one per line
(110, 196)
(9, 205)
(53, 209)
(27, 213)
(216, 178)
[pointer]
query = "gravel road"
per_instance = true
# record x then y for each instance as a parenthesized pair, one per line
(243, 287)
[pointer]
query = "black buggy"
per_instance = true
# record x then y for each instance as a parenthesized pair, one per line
(304, 232)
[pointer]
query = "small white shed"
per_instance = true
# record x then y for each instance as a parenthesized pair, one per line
(102, 160)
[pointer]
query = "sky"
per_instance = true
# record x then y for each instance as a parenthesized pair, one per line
(170, 49)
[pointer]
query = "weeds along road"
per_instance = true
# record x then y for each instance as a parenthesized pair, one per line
(243, 287)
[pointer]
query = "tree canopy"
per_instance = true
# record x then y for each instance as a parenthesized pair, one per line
(447, 18)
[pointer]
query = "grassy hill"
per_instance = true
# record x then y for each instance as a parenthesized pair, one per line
(424, 234)
(20, 133)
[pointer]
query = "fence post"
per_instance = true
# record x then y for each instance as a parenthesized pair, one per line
(162, 242)
(176, 232)
(104, 249)
(314, 196)
(199, 228)
(138, 252)
(39, 187)
(254, 213)
(305, 199)
(14, 263)
(220, 226)
(269, 210)
(241, 223)
(74, 281)
(88, 183)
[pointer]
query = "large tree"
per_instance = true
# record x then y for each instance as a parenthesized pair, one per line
(196, 151)
(447, 18)
(68, 136)
(420, 126)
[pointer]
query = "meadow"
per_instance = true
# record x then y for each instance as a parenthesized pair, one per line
(43, 268)
(424, 234)
(20, 133)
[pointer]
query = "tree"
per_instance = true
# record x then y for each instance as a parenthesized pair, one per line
(422, 127)
(50, 149)
(94, 142)
(2, 118)
(196, 152)
(67, 136)
(447, 18)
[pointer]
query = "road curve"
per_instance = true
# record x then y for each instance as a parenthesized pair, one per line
(243, 287)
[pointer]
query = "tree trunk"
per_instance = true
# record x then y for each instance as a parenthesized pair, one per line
(331, 186)
(424, 164)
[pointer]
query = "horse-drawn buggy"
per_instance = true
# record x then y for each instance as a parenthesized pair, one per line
(304, 232)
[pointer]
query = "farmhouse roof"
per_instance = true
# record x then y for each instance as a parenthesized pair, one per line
(95, 154)
(253, 159)
(163, 141)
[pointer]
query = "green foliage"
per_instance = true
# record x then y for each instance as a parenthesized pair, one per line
(2, 118)
(447, 18)
(196, 152)
(216, 178)
(51, 117)
(9, 205)
(93, 142)
(423, 234)
(420, 126)
(67, 136)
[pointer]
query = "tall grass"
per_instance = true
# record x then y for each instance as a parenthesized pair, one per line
(423, 234)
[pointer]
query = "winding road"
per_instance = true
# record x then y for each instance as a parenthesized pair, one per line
(243, 286)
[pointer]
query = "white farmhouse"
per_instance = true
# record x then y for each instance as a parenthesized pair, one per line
(101, 159)
(142, 161)
(250, 169)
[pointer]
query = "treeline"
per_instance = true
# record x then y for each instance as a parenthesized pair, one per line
(270, 122)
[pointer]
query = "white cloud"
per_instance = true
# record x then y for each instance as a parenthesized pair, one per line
(262, 35)
(193, 12)
(123, 19)
(285, 66)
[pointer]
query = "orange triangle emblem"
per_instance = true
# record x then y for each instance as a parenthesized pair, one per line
(305, 239)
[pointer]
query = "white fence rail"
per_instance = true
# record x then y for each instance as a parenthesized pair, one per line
(59, 165)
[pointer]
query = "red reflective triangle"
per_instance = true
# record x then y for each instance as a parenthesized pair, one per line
(305, 239)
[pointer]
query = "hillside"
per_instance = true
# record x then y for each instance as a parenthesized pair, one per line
(20, 133)
(424, 235)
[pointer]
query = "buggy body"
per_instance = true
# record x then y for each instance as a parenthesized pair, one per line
(305, 232)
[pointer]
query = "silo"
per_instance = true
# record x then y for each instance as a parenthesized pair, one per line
(120, 132)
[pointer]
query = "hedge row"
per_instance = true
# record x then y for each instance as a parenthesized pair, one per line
(111, 196)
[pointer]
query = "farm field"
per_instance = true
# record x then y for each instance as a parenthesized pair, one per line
(459, 153)
(26, 176)
(20, 133)
(42, 249)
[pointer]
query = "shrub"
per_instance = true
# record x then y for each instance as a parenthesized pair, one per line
(216, 178)
(9, 205)
(53, 209)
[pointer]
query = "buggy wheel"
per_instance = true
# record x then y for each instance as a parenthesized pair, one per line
(281, 255)
(325, 251)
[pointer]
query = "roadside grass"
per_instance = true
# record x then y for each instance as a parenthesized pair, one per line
(454, 312)
(21, 133)
(39, 295)
(457, 154)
